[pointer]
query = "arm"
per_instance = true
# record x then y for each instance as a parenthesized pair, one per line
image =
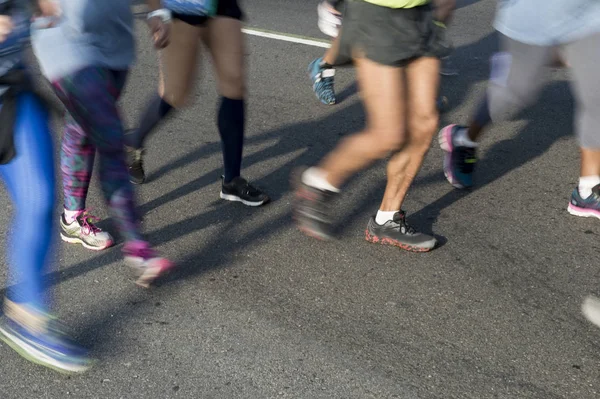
(444, 10)
(159, 25)
(6, 26)
(154, 5)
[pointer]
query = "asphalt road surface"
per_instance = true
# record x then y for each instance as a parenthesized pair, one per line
(257, 310)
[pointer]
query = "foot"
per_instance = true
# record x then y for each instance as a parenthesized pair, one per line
(135, 164)
(588, 207)
(459, 161)
(311, 209)
(399, 234)
(146, 262)
(240, 190)
(83, 231)
(44, 342)
(322, 80)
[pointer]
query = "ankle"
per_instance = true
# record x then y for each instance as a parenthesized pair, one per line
(71, 216)
(25, 315)
(316, 178)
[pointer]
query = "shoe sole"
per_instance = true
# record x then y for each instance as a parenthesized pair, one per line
(235, 198)
(76, 240)
(312, 233)
(147, 275)
(388, 241)
(137, 183)
(35, 356)
(582, 212)
(445, 141)
(295, 183)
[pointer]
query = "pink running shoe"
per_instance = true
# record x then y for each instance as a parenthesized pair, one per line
(146, 262)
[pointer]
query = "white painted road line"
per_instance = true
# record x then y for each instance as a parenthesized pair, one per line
(287, 37)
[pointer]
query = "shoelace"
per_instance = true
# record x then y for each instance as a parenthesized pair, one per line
(248, 189)
(466, 159)
(137, 156)
(144, 252)
(403, 227)
(87, 222)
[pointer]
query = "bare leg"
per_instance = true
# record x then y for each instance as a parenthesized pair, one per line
(383, 93)
(422, 80)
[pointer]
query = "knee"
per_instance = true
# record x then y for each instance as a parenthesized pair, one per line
(232, 84)
(506, 102)
(176, 98)
(423, 126)
(388, 139)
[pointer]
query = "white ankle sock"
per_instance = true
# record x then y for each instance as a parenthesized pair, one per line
(384, 216)
(586, 184)
(462, 139)
(71, 215)
(314, 177)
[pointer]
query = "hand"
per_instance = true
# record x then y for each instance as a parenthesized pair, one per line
(6, 26)
(160, 32)
(49, 8)
(330, 8)
(444, 9)
(49, 11)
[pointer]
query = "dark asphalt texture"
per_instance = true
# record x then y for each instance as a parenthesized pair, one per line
(257, 310)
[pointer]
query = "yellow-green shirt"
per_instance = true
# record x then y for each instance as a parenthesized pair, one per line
(398, 3)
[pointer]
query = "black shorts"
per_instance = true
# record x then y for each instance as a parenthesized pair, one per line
(390, 36)
(225, 8)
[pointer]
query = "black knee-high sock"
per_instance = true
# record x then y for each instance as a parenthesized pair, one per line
(156, 110)
(231, 121)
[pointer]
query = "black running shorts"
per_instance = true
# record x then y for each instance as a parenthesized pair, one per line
(225, 8)
(390, 36)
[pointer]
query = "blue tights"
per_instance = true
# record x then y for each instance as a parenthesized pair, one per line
(29, 179)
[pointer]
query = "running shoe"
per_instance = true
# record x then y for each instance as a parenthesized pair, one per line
(239, 190)
(311, 209)
(135, 164)
(447, 68)
(83, 231)
(322, 79)
(49, 345)
(145, 262)
(400, 234)
(588, 207)
(459, 161)
(591, 309)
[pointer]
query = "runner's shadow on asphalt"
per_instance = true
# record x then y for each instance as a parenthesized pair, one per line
(534, 139)
(307, 137)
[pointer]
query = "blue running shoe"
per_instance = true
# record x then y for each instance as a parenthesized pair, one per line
(322, 79)
(459, 161)
(588, 207)
(49, 346)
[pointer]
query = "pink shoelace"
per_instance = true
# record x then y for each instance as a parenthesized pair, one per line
(87, 222)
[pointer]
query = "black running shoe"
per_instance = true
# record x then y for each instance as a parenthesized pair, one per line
(311, 209)
(399, 234)
(241, 191)
(135, 164)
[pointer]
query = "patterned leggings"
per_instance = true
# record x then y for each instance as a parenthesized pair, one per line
(93, 124)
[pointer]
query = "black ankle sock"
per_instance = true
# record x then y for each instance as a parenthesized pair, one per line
(231, 121)
(156, 110)
(482, 115)
(325, 65)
